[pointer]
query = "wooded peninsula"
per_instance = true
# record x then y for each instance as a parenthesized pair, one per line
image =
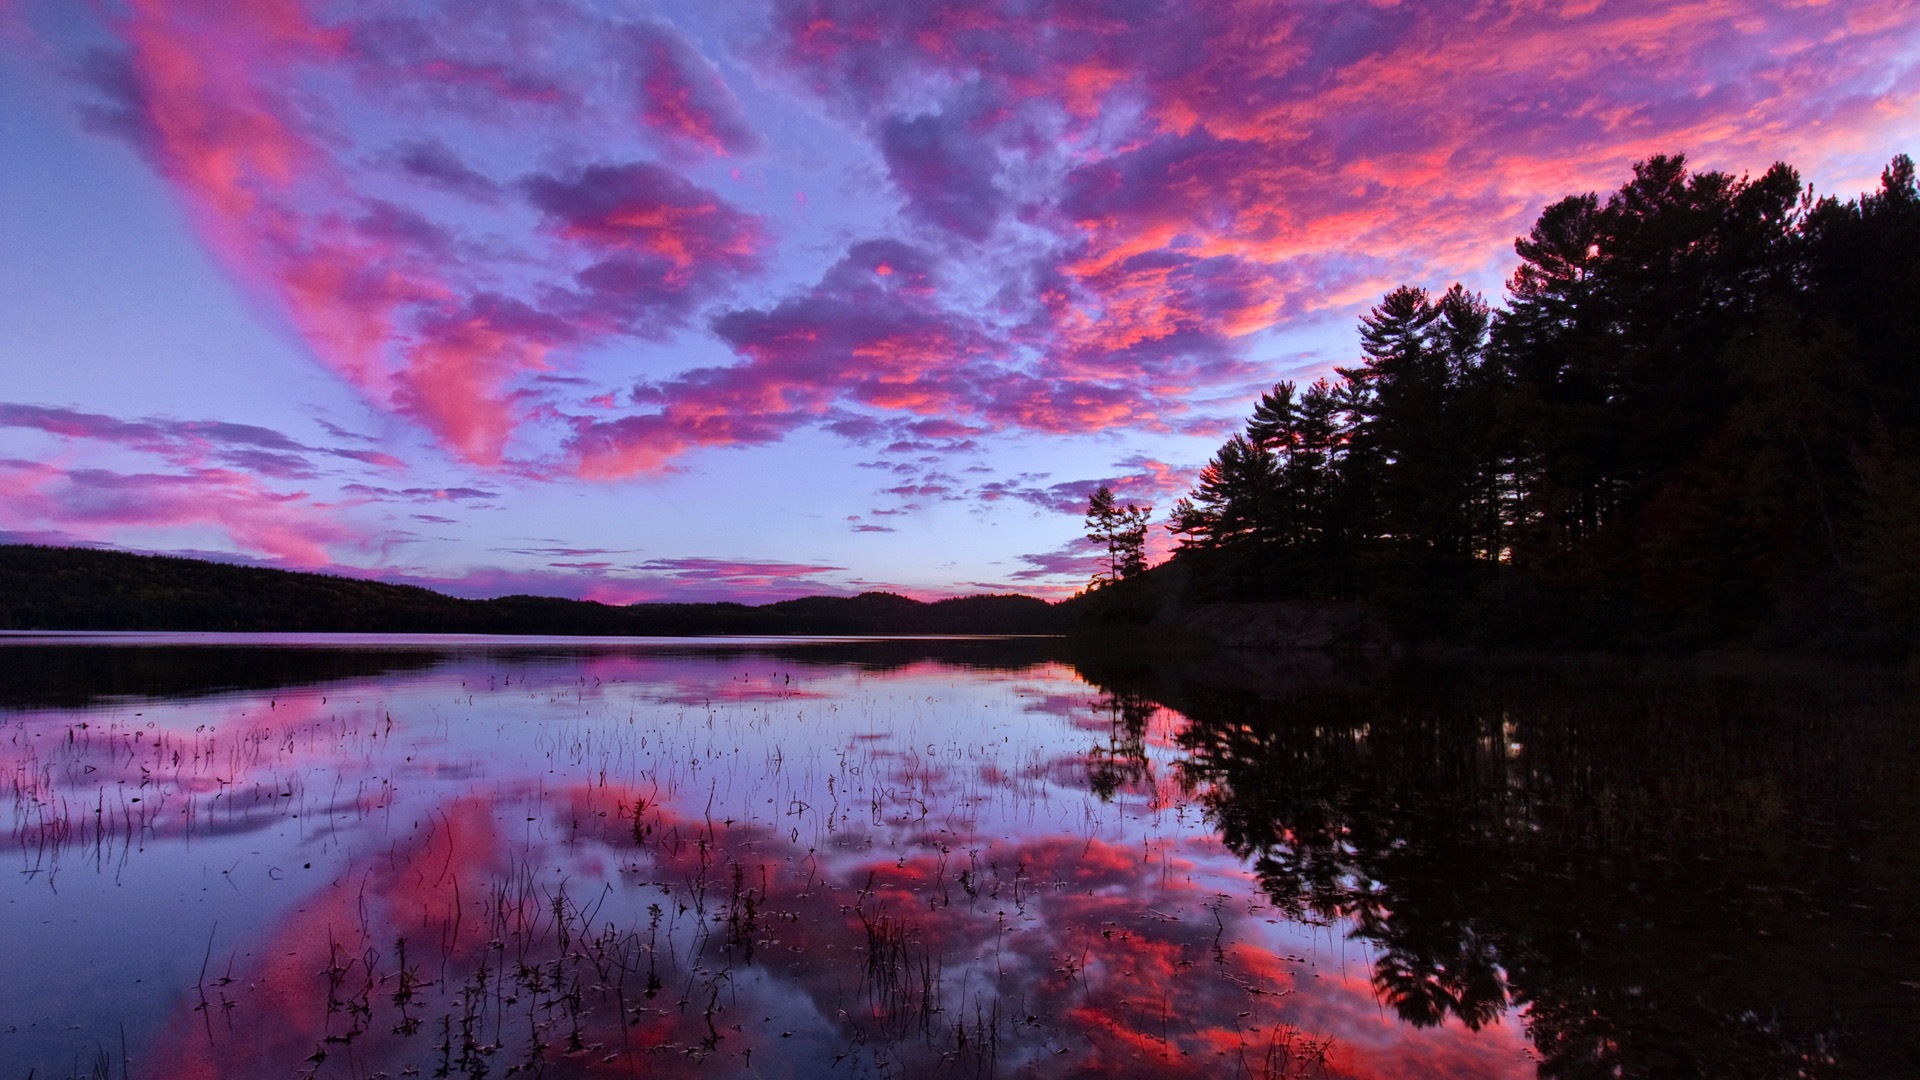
(1694, 423)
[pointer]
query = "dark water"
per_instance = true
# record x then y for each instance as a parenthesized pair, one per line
(429, 857)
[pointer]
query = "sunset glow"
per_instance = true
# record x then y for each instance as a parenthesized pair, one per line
(751, 301)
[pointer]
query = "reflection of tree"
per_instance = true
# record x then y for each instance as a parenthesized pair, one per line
(1327, 848)
(1121, 761)
(1646, 868)
(74, 675)
(71, 675)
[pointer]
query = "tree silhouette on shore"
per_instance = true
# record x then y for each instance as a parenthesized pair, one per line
(1122, 529)
(1695, 418)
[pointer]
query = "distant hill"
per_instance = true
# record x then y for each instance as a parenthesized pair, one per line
(56, 588)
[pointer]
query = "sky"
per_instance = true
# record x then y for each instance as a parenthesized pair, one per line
(766, 298)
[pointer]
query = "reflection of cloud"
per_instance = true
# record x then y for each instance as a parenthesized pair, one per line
(1099, 964)
(197, 782)
(798, 922)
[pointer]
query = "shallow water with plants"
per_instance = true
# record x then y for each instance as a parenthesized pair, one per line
(386, 857)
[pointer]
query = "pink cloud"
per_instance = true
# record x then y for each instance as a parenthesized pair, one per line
(875, 337)
(657, 242)
(421, 495)
(946, 172)
(189, 442)
(860, 336)
(124, 508)
(681, 96)
(1078, 559)
(1151, 481)
(575, 573)
(748, 574)
(1105, 202)
(436, 163)
(1198, 191)
(240, 105)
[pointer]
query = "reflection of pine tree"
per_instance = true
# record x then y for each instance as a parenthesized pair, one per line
(1121, 761)
(1568, 844)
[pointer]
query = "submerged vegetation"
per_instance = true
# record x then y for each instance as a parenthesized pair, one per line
(625, 863)
(601, 860)
(1695, 420)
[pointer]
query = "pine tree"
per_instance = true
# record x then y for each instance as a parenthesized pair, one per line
(1122, 529)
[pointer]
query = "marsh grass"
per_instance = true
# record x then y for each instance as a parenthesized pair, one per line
(533, 872)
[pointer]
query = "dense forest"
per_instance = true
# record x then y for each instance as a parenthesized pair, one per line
(1696, 420)
(46, 588)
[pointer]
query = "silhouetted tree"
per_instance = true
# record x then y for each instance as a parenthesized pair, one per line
(1122, 529)
(1697, 417)
(1230, 503)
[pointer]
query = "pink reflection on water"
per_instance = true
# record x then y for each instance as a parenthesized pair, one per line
(594, 877)
(1099, 960)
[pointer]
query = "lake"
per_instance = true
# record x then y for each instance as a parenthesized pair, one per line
(332, 856)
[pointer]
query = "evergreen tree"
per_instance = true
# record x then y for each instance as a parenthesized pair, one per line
(1230, 501)
(1122, 529)
(1697, 416)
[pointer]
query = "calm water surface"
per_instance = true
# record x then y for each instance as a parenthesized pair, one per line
(341, 857)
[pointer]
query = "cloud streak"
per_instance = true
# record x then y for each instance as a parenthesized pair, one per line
(1163, 197)
(134, 508)
(1137, 188)
(411, 300)
(1199, 174)
(189, 442)
(561, 244)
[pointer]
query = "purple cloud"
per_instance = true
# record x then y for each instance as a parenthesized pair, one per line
(681, 96)
(946, 172)
(185, 442)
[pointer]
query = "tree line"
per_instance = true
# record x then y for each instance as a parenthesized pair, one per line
(51, 588)
(1696, 418)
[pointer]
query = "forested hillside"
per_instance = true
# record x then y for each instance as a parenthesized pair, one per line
(45, 588)
(1694, 420)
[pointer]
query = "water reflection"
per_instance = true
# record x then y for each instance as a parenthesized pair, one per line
(946, 858)
(1668, 872)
